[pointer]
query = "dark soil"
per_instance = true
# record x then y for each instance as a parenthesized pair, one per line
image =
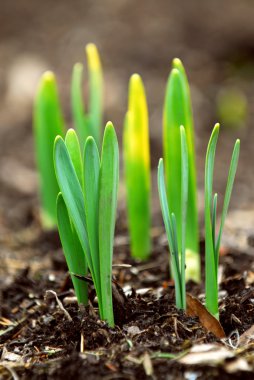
(151, 336)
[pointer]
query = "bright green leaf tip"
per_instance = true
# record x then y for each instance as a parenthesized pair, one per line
(177, 63)
(47, 85)
(57, 140)
(136, 87)
(70, 132)
(78, 66)
(89, 140)
(48, 77)
(135, 79)
(110, 126)
(175, 73)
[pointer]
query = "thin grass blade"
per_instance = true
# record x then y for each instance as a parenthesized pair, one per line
(175, 252)
(214, 218)
(211, 284)
(169, 231)
(184, 203)
(229, 187)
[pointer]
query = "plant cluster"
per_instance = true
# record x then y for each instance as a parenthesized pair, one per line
(83, 175)
(86, 210)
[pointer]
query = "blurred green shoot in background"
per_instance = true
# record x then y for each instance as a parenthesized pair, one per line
(49, 122)
(178, 112)
(137, 169)
(88, 123)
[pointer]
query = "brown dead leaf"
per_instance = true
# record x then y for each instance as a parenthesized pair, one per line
(195, 308)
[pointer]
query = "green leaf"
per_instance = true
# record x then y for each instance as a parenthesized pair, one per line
(229, 187)
(214, 217)
(73, 197)
(77, 104)
(171, 233)
(73, 251)
(210, 260)
(177, 111)
(72, 144)
(137, 169)
(48, 123)
(164, 204)
(95, 92)
(108, 188)
(184, 202)
(91, 192)
(175, 252)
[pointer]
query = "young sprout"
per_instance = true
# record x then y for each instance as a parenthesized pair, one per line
(90, 123)
(137, 169)
(48, 123)
(212, 243)
(177, 243)
(72, 248)
(177, 112)
(91, 207)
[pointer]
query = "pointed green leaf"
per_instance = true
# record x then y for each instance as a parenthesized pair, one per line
(177, 112)
(137, 169)
(230, 182)
(72, 144)
(95, 92)
(210, 261)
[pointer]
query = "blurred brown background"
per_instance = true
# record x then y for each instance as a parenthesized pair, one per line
(214, 39)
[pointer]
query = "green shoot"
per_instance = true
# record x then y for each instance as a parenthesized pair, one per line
(80, 119)
(137, 169)
(95, 91)
(175, 245)
(177, 112)
(90, 123)
(73, 251)
(92, 208)
(48, 123)
(212, 243)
